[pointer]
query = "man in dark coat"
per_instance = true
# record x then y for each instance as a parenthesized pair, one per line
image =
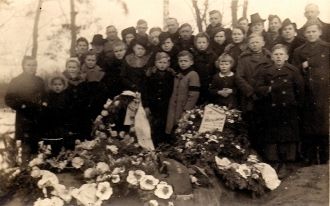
(311, 13)
(313, 58)
(24, 96)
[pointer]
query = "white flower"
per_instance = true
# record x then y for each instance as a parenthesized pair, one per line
(268, 174)
(53, 201)
(243, 170)
(148, 182)
(35, 172)
(102, 167)
(86, 194)
(252, 158)
(99, 118)
(189, 144)
(164, 191)
(104, 191)
(222, 163)
(113, 133)
(153, 203)
(194, 180)
(115, 178)
(112, 148)
(36, 161)
(77, 162)
(90, 173)
(134, 176)
(104, 113)
(88, 145)
(102, 178)
(62, 192)
(118, 170)
(47, 179)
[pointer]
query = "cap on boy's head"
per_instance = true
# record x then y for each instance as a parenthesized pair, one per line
(57, 76)
(128, 30)
(184, 53)
(225, 58)
(72, 59)
(153, 29)
(98, 40)
(161, 55)
(288, 22)
(255, 18)
(163, 36)
(311, 23)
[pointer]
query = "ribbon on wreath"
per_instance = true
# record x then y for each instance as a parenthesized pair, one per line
(136, 116)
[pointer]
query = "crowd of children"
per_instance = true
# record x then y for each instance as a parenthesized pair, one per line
(279, 78)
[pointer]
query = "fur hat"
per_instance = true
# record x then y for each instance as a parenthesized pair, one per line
(288, 22)
(255, 18)
(163, 36)
(129, 30)
(98, 40)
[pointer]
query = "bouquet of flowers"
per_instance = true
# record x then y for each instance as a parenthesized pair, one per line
(227, 151)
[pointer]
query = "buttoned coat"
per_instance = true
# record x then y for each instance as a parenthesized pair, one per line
(316, 77)
(184, 96)
(280, 103)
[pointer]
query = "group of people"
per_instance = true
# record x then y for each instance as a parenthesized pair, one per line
(278, 78)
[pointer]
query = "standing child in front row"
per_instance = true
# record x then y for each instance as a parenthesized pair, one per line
(185, 91)
(281, 89)
(223, 87)
(24, 96)
(160, 83)
(55, 108)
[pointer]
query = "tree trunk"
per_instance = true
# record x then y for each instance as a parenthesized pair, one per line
(35, 30)
(245, 7)
(234, 5)
(73, 28)
(198, 16)
(166, 11)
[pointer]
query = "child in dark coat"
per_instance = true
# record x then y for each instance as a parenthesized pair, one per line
(281, 89)
(204, 65)
(158, 92)
(223, 87)
(24, 96)
(55, 108)
(218, 41)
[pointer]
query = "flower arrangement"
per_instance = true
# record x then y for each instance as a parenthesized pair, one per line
(227, 152)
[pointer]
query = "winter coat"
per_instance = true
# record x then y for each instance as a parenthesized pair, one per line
(92, 74)
(112, 78)
(133, 73)
(246, 73)
(316, 77)
(297, 41)
(204, 65)
(280, 104)
(173, 57)
(186, 44)
(235, 50)
(217, 48)
(184, 96)
(218, 83)
(24, 95)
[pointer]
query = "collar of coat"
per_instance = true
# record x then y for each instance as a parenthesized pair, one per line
(226, 75)
(185, 72)
(274, 71)
(135, 61)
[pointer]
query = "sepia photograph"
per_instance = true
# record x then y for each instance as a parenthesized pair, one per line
(164, 102)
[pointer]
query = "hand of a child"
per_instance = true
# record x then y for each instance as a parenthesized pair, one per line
(305, 64)
(223, 93)
(44, 104)
(228, 90)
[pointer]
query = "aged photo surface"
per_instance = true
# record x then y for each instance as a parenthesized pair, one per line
(164, 102)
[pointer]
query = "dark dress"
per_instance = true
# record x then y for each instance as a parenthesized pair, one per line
(157, 96)
(112, 78)
(218, 83)
(24, 96)
(280, 110)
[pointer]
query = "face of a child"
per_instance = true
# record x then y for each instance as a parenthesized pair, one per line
(185, 62)
(57, 85)
(119, 51)
(154, 37)
(82, 47)
(172, 26)
(167, 45)
(162, 64)
(311, 12)
(72, 68)
(274, 25)
(97, 48)
(202, 43)
(279, 56)
(111, 32)
(225, 67)
(312, 33)
(30, 66)
(220, 37)
(142, 28)
(257, 27)
(256, 44)
(244, 23)
(129, 38)
(90, 61)
(288, 32)
(139, 50)
(186, 33)
(237, 36)
(215, 19)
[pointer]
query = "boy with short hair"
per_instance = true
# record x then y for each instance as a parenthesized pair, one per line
(185, 90)
(186, 38)
(223, 87)
(216, 23)
(280, 87)
(81, 48)
(24, 96)
(142, 27)
(312, 58)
